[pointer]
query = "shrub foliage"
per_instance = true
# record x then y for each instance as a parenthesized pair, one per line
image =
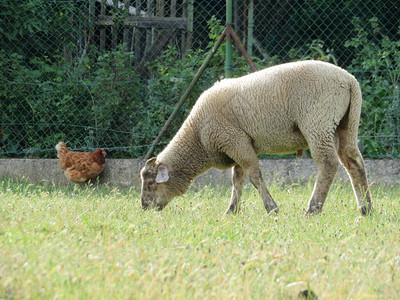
(97, 99)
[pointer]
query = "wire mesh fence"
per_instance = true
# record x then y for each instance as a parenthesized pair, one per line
(108, 73)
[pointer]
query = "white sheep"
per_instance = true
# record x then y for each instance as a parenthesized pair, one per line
(283, 109)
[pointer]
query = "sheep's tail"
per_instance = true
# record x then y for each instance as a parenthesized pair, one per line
(354, 120)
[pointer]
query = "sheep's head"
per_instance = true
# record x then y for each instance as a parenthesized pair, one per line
(155, 191)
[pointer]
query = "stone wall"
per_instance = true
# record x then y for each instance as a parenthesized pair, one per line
(125, 172)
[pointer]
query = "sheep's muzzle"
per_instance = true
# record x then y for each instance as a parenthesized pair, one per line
(147, 202)
(150, 203)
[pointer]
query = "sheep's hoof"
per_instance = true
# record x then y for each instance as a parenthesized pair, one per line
(232, 210)
(307, 294)
(314, 210)
(272, 208)
(365, 210)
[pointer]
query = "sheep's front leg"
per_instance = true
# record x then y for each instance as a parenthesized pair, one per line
(258, 182)
(238, 177)
(247, 159)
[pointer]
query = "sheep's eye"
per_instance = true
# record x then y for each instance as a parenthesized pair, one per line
(151, 184)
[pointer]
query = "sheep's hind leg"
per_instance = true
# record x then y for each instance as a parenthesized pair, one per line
(352, 160)
(327, 165)
(238, 177)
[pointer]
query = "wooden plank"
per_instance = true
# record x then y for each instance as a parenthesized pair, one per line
(184, 34)
(174, 39)
(102, 29)
(92, 17)
(114, 30)
(138, 7)
(160, 8)
(173, 8)
(146, 22)
(126, 30)
(149, 31)
(137, 35)
(189, 37)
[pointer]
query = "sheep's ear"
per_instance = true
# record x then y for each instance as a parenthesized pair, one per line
(162, 174)
(151, 161)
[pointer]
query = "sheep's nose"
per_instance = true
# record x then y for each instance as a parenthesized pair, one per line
(160, 207)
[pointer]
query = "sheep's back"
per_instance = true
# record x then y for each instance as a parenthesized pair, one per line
(270, 105)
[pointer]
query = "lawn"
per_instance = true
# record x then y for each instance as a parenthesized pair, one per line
(97, 243)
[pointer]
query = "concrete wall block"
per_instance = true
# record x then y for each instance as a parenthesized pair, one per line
(125, 172)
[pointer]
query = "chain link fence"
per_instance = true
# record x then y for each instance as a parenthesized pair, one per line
(108, 73)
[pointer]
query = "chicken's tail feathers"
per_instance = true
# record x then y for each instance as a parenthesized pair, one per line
(61, 148)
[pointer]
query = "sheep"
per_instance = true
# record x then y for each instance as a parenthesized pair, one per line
(283, 109)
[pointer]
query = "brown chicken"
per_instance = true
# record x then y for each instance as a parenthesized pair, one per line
(80, 167)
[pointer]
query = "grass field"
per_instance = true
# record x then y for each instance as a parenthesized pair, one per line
(97, 243)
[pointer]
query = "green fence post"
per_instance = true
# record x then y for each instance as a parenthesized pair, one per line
(228, 50)
(250, 28)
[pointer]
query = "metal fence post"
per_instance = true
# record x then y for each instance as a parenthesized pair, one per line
(250, 28)
(228, 50)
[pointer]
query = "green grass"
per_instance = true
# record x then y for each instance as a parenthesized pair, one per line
(97, 243)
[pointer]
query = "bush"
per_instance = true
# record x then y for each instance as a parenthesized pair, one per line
(98, 100)
(87, 103)
(376, 64)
